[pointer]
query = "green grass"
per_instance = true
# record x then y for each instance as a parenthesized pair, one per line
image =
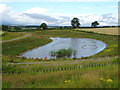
(1, 32)
(82, 78)
(16, 47)
(39, 38)
(12, 35)
(55, 65)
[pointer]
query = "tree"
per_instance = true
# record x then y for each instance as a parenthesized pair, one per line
(75, 22)
(94, 24)
(17, 28)
(43, 26)
(5, 27)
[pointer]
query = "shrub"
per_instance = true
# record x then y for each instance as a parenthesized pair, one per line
(63, 53)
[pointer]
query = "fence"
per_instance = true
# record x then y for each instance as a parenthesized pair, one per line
(65, 68)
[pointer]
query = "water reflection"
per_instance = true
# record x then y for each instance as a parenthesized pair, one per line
(63, 53)
(83, 47)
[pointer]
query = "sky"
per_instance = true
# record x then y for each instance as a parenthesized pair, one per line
(59, 12)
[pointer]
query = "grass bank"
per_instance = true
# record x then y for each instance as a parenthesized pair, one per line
(16, 47)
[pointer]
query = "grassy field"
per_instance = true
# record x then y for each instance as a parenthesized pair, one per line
(11, 35)
(1, 32)
(110, 31)
(79, 78)
(48, 65)
(90, 77)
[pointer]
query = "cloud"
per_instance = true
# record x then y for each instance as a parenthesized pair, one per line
(33, 16)
(105, 19)
(36, 10)
(5, 14)
(4, 8)
(109, 19)
(9, 17)
(36, 16)
(42, 18)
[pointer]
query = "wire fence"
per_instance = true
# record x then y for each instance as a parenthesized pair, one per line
(65, 68)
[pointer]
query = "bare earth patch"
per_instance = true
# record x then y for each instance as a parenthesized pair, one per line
(110, 31)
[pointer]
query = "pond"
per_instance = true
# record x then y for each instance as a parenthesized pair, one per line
(84, 47)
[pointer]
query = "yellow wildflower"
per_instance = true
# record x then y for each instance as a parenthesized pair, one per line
(109, 80)
(102, 79)
(66, 81)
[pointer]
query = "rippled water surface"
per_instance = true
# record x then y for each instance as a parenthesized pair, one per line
(84, 47)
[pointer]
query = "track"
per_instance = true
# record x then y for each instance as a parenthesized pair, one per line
(15, 39)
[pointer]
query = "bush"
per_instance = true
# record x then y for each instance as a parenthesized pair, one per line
(63, 53)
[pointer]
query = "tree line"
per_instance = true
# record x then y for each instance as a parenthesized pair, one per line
(74, 22)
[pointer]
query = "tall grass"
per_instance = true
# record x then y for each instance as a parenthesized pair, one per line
(49, 66)
(81, 78)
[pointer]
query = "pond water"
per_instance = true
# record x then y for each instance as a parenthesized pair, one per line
(84, 47)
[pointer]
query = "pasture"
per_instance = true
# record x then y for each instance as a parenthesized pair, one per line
(110, 31)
